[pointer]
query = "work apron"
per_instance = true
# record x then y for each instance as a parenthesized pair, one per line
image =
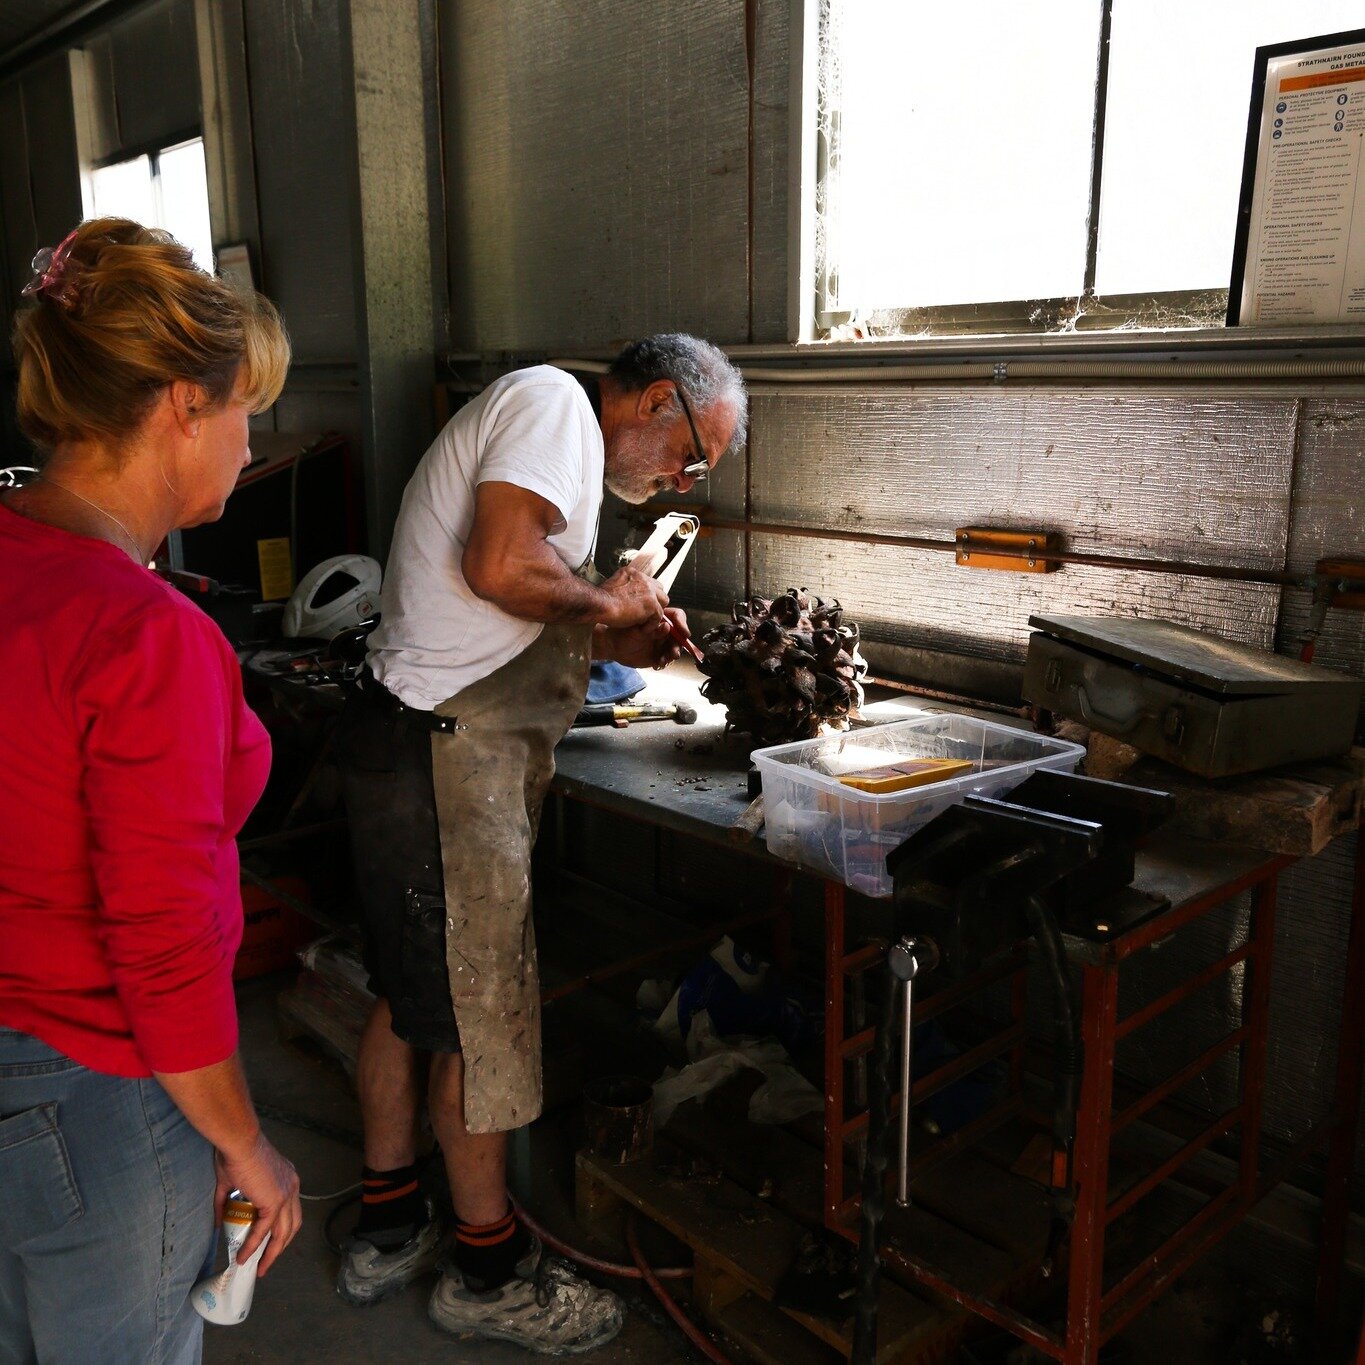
(491, 774)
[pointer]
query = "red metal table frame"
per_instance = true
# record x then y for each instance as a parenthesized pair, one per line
(1096, 1312)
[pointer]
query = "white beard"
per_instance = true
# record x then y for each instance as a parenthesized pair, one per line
(632, 465)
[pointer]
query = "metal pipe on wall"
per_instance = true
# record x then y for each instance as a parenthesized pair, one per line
(1167, 566)
(1000, 371)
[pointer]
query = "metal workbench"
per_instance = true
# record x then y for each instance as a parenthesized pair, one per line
(699, 787)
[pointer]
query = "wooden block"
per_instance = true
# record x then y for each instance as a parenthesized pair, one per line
(713, 1288)
(598, 1207)
(1108, 758)
(769, 1337)
(1298, 809)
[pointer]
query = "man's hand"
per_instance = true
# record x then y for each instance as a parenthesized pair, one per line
(648, 645)
(270, 1182)
(634, 599)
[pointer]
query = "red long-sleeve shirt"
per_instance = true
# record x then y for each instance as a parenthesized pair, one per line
(128, 763)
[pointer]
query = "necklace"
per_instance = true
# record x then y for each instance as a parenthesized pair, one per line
(128, 538)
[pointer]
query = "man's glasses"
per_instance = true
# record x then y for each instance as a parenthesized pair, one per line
(699, 468)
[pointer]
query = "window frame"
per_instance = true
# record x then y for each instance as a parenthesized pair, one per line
(1163, 318)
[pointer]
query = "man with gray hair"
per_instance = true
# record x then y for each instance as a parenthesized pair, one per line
(491, 615)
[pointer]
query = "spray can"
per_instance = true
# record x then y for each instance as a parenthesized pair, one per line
(225, 1297)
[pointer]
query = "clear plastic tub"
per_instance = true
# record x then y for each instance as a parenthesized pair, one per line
(813, 818)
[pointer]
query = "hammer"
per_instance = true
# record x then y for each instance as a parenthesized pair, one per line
(620, 714)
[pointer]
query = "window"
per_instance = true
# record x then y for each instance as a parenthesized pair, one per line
(961, 185)
(166, 189)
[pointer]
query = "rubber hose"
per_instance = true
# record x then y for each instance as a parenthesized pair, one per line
(626, 1272)
(874, 1179)
(1069, 1047)
(694, 1334)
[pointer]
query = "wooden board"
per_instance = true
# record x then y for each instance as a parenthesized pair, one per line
(767, 1335)
(992, 1204)
(1296, 810)
(750, 1244)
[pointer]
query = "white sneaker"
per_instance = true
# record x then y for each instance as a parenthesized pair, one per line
(545, 1308)
(368, 1274)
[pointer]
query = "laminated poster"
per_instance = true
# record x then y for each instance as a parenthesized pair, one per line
(1300, 245)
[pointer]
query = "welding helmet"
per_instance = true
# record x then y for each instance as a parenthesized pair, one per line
(337, 594)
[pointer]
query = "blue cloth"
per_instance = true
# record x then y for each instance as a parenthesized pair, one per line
(610, 682)
(106, 1215)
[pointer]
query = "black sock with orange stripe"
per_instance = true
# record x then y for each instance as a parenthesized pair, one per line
(487, 1253)
(392, 1208)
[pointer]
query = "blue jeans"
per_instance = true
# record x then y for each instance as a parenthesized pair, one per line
(106, 1215)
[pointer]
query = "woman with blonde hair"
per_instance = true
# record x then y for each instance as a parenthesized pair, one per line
(130, 763)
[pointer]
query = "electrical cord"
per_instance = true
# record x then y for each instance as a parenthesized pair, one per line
(625, 1272)
(694, 1334)
(335, 1194)
(350, 1195)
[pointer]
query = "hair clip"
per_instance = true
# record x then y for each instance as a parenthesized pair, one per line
(49, 267)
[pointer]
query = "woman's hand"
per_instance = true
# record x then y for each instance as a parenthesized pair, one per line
(270, 1182)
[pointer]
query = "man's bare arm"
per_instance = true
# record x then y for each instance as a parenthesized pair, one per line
(509, 561)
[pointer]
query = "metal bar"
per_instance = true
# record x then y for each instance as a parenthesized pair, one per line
(310, 912)
(1235, 573)
(1090, 1169)
(1035, 1334)
(1163, 926)
(1256, 1018)
(907, 1090)
(863, 958)
(834, 1065)
(1167, 1262)
(1344, 1114)
(935, 1080)
(72, 23)
(1173, 1163)
(1184, 1076)
(630, 964)
(1186, 988)
(859, 1045)
(1092, 228)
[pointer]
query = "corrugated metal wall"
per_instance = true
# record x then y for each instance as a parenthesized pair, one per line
(598, 187)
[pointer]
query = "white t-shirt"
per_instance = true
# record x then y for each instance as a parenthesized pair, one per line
(534, 428)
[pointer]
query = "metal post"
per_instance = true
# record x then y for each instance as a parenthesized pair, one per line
(907, 1049)
(1099, 1017)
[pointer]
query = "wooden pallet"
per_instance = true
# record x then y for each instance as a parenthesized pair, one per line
(742, 1246)
(974, 1220)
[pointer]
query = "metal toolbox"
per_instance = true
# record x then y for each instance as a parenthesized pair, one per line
(1196, 700)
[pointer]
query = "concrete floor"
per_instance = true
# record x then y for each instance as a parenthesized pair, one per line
(296, 1316)
(1212, 1317)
